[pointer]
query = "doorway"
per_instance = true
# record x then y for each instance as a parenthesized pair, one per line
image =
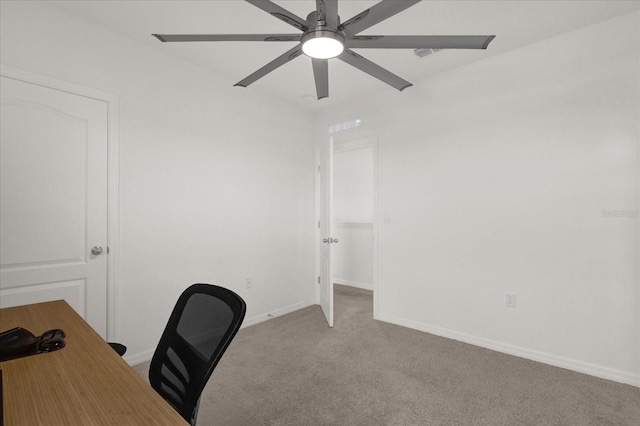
(354, 212)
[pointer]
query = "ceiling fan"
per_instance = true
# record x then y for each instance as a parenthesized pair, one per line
(324, 37)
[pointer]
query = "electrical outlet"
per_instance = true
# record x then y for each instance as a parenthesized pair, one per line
(510, 300)
(248, 282)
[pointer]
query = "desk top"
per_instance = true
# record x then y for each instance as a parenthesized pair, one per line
(84, 383)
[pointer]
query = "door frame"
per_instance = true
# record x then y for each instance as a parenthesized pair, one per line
(112, 178)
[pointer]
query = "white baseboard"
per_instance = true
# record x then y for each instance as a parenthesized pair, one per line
(363, 286)
(557, 361)
(248, 322)
(145, 356)
(140, 357)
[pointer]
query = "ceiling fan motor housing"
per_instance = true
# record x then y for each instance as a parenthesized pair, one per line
(320, 20)
(322, 42)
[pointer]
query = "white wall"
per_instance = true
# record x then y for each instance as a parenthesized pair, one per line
(353, 184)
(352, 257)
(496, 176)
(216, 182)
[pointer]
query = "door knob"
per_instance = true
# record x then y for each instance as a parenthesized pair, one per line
(96, 251)
(330, 240)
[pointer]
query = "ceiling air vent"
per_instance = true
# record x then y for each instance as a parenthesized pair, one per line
(421, 53)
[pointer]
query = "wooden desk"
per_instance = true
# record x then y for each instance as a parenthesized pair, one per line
(85, 383)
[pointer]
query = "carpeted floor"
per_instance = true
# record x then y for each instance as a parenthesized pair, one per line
(294, 370)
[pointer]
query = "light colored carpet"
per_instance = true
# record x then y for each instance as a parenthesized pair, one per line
(294, 370)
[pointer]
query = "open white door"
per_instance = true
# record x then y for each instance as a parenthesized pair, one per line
(325, 189)
(53, 199)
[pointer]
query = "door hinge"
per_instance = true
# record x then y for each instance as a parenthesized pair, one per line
(318, 169)
(318, 224)
(318, 279)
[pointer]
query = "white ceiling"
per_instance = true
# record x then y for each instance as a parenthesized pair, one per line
(515, 23)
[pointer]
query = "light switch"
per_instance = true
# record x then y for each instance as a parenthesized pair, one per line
(387, 217)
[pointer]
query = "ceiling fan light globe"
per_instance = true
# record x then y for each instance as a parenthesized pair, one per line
(322, 45)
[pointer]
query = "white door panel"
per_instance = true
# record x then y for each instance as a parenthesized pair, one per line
(72, 291)
(53, 199)
(35, 190)
(325, 177)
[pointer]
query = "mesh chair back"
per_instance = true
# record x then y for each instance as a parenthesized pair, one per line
(204, 321)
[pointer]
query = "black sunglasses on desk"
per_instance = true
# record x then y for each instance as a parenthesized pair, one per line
(51, 340)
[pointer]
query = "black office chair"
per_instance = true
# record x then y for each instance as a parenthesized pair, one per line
(204, 321)
(118, 347)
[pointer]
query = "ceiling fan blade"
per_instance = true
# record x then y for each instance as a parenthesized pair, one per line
(226, 37)
(420, 42)
(377, 13)
(321, 75)
(363, 64)
(282, 14)
(279, 61)
(328, 9)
